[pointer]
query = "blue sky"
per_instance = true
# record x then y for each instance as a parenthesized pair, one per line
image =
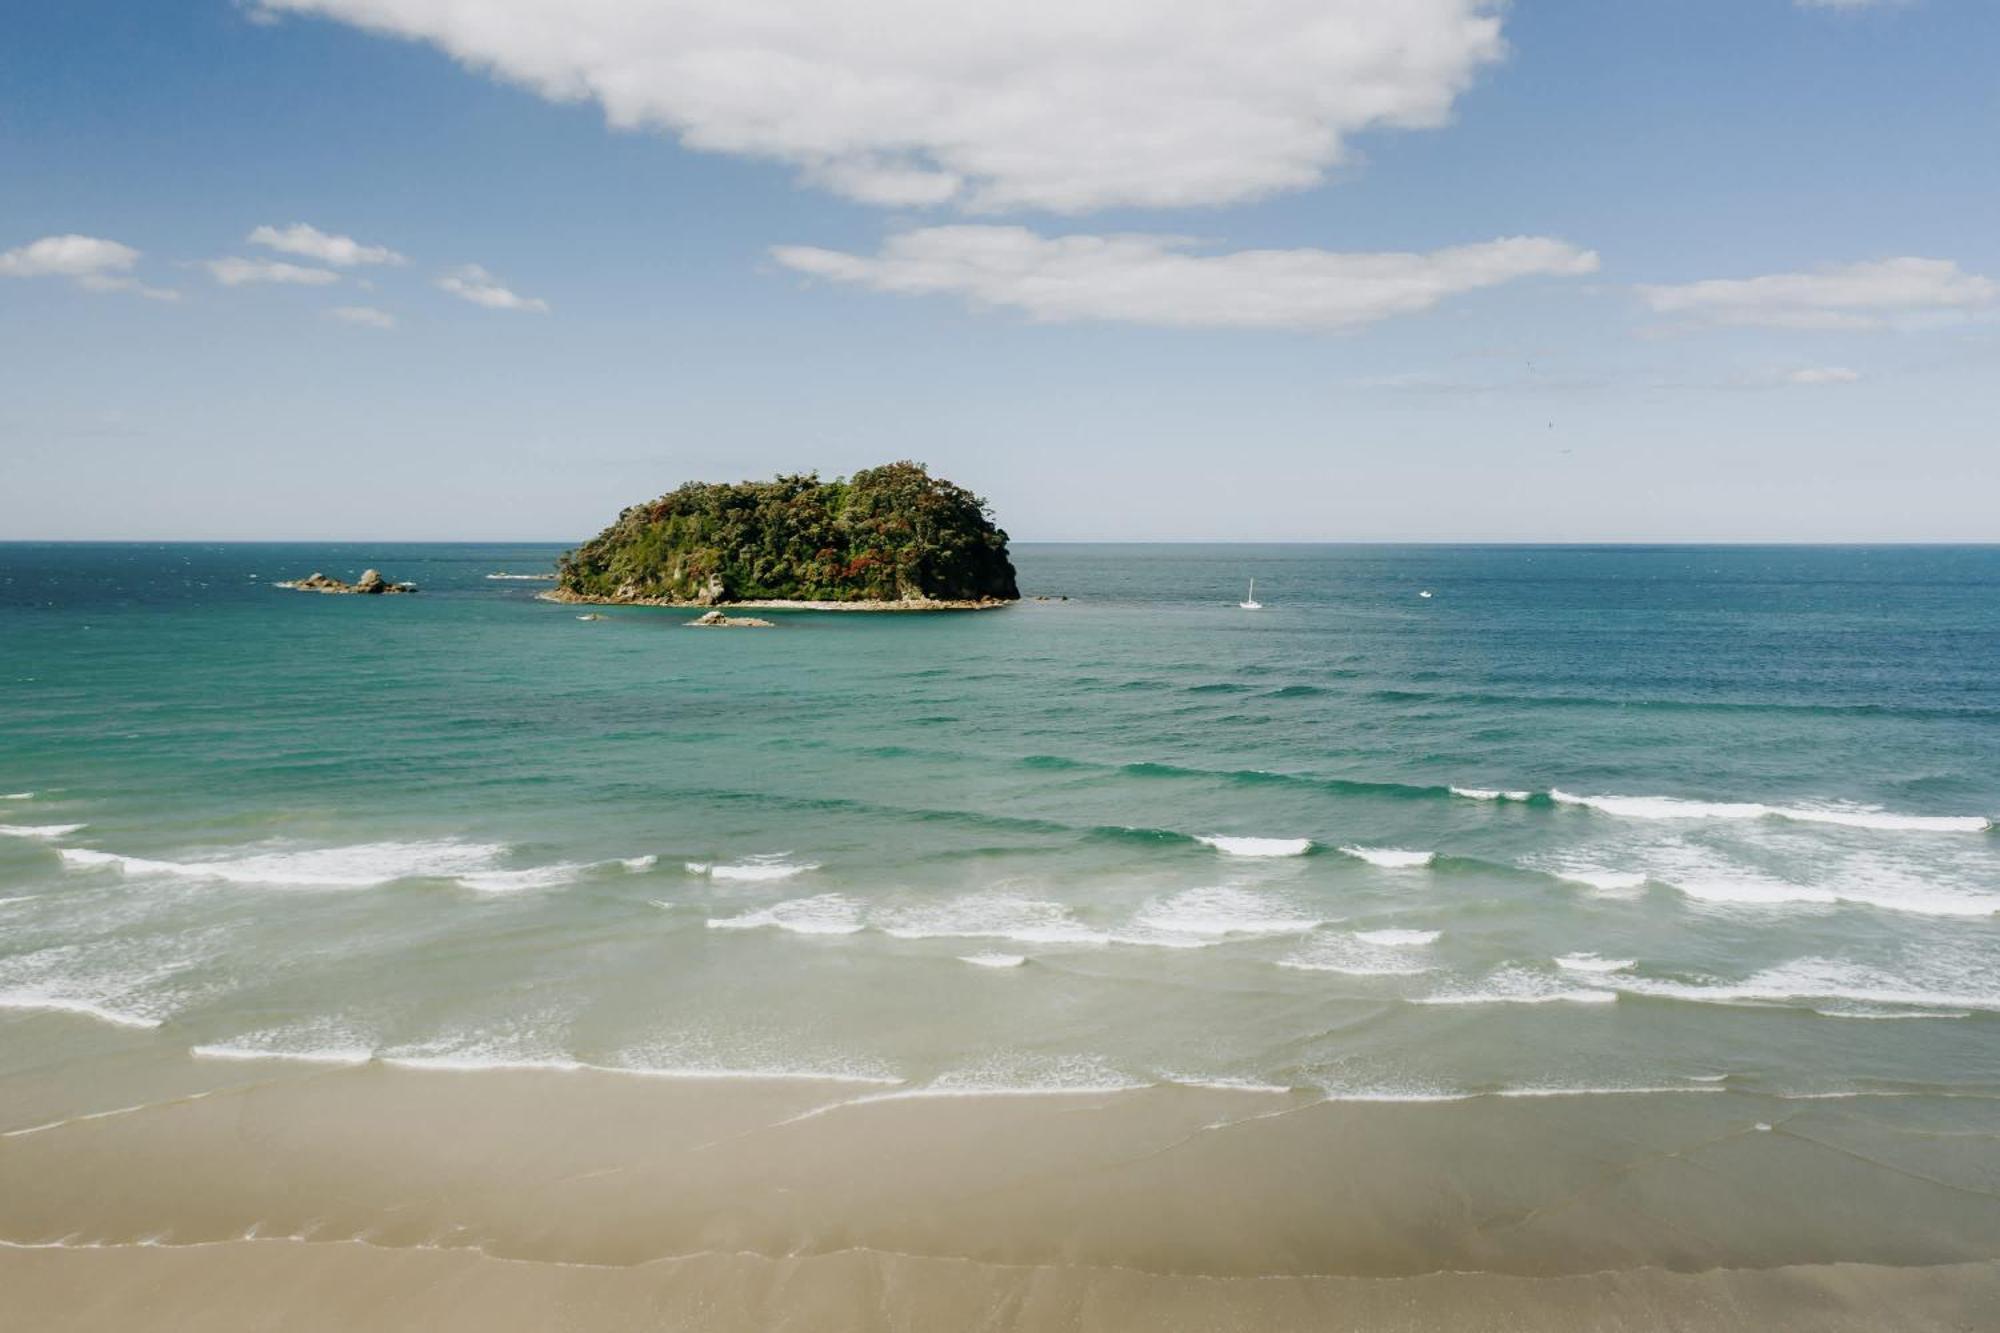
(1296, 270)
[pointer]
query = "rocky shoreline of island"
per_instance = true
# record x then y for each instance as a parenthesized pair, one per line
(908, 604)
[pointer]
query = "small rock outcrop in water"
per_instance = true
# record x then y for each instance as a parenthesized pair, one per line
(715, 619)
(890, 538)
(370, 584)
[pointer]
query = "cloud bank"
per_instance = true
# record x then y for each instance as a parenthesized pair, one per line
(1168, 282)
(1058, 105)
(1878, 294)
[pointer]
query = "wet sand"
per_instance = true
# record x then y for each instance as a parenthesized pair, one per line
(260, 1194)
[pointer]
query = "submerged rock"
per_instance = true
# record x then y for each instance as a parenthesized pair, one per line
(371, 584)
(715, 620)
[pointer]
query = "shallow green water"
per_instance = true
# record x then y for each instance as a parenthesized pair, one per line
(467, 827)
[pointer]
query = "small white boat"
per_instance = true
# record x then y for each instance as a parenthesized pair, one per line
(1250, 603)
(1425, 594)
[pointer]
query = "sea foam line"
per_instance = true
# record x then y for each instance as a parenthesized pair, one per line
(40, 830)
(42, 1002)
(1673, 807)
(1391, 858)
(1234, 846)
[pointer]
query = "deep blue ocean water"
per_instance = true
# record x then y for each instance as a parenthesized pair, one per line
(1582, 819)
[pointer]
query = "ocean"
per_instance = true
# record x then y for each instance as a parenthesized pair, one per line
(1581, 822)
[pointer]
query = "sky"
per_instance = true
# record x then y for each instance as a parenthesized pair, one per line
(1280, 270)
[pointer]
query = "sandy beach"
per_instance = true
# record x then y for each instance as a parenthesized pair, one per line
(393, 1197)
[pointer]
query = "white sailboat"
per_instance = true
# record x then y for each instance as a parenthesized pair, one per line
(1250, 603)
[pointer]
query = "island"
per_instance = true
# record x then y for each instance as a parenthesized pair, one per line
(890, 538)
(370, 584)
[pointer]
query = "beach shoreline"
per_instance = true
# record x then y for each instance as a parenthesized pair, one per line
(271, 1188)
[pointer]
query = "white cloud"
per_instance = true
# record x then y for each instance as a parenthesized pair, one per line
(234, 272)
(1878, 294)
(94, 264)
(473, 283)
(365, 315)
(1824, 375)
(341, 251)
(68, 257)
(1062, 105)
(1164, 280)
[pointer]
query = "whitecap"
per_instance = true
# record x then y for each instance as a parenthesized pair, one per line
(994, 959)
(517, 881)
(1604, 881)
(1354, 956)
(1230, 846)
(1397, 937)
(1491, 794)
(826, 914)
(1391, 858)
(17, 796)
(1518, 985)
(40, 830)
(772, 866)
(360, 865)
(1590, 962)
(1832, 979)
(1220, 912)
(534, 578)
(991, 916)
(1851, 816)
(635, 864)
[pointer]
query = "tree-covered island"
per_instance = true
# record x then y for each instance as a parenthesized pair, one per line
(891, 537)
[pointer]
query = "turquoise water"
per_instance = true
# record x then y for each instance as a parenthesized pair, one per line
(1582, 820)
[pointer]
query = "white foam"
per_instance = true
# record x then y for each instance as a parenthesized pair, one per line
(40, 830)
(361, 865)
(1603, 1092)
(994, 959)
(1518, 985)
(1226, 1084)
(1604, 881)
(537, 578)
(1850, 816)
(518, 881)
(1391, 858)
(1590, 962)
(704, 1073)
(341, 1056)
(1355, 956)
(991, 916)
(1021, 1075)
(17, 796)
(826, 914)
(1218, 913)
(47, 1002)
(771, 866)
(1256, 846)
(636, 864)
(1934, 984)
(474, 1062)
(1397, 937)
(1491, 794)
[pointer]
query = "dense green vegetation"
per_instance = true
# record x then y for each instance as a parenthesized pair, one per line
(889, 533)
